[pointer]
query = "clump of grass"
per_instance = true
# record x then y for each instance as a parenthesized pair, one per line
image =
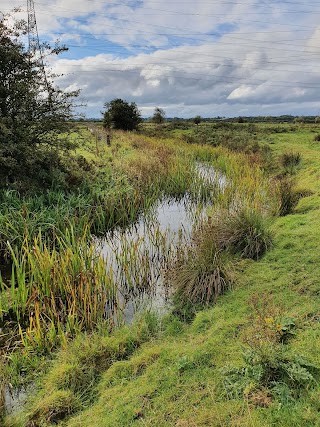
(288, 197)
(53, 408)
(200, 275)
(245, 232)
(290, 161)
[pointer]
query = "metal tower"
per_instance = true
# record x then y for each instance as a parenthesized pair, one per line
(34, 43)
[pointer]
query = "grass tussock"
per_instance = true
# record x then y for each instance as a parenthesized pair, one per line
(288, 195)
(245, 232)
(200, 275)
(53, 408)
(289, 161)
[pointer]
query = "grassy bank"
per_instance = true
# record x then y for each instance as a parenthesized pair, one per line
(252, 359)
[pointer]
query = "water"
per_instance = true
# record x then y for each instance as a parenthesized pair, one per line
(14, 400)
(140, 255)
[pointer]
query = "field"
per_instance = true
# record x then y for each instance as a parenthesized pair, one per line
(238, 344)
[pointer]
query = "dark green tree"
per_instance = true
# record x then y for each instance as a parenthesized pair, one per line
(34, 114)
(121, 114)
(159, 116)
(197, 120)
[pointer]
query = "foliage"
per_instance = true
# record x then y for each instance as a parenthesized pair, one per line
(178, 384)
(269, 372)
(108, 195)
(239, 140)
(122, 115)
(158, 116)
(56, 292)
(197, 120)
(33, 114)
(70, 384)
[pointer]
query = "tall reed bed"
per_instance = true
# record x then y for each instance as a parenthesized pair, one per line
(238, 227)
(114, 195)
(59, 285)
(57, 292)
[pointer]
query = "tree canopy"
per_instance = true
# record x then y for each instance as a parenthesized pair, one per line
(158, 116)
(121, 115)
(33, 112)
(197, 120)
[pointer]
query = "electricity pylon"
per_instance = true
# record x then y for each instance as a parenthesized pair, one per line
(34, 43)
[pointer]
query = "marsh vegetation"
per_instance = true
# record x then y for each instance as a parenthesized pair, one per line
(154, 234)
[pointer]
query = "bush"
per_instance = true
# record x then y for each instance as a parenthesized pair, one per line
(121, 115)
(35, 115)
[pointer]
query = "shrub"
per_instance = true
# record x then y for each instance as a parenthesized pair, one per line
(35, 115)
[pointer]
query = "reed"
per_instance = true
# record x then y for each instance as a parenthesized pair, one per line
(111, 196)
(55, 293)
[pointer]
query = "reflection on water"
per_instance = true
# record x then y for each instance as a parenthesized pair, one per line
(139, 255)
(14, 400)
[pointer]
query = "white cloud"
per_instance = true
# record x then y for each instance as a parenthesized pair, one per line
(241, 92)
(219, 58)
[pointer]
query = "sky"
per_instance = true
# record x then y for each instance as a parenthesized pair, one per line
(207, 57)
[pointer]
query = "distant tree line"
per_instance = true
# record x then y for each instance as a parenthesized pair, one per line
(119, 114)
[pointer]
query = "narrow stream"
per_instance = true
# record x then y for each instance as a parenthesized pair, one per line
(140, 254)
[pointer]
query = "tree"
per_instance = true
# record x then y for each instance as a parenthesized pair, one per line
(158, 116)
(197, 120)
(121, 114)
(33, 112)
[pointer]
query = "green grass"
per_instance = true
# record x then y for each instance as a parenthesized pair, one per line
(177, 376)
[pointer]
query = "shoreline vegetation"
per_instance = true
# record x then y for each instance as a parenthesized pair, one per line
(238, 346)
